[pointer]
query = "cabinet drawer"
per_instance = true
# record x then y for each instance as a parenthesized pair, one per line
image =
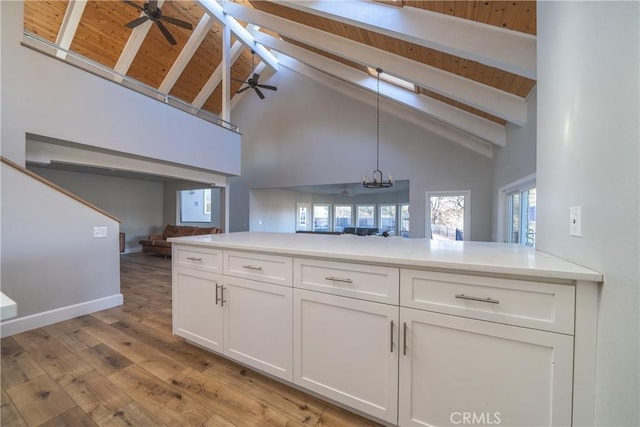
(367, 282)
(255, 266)
(536, 305)
(204, 259)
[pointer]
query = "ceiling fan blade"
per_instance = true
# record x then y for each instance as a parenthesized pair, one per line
(177, 22)
(268, 87)
(259, 92)
(166, 33)
(243, 89)
(130, 3)
(137, 22)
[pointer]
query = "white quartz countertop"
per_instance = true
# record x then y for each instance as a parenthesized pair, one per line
(478, 257)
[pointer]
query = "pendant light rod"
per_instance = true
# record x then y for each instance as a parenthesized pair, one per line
(377, 181)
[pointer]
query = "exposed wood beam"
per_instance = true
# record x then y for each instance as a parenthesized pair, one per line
(463, 120)
(72, 16)
(215, 9)
(494, 101)
(216, 77)
(505, 49)
(197, 36)
(132, 47)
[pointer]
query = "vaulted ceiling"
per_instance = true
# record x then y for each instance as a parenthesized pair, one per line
(467, 65)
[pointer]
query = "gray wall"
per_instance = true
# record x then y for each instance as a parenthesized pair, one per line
(517, 159)
(139, 204)
(307, 133)
(588, 155)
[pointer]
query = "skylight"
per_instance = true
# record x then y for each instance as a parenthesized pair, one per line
(393, 80)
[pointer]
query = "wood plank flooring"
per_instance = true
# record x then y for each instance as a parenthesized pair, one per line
(123, 367)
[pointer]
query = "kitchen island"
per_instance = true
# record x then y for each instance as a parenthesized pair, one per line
(405, 331)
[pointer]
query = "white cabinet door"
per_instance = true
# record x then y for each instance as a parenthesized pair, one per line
(257, 319)
(346, 349)
(196, 315)
(455, 371)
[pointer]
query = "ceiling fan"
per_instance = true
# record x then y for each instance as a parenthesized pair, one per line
(152, 12)
(252, 82)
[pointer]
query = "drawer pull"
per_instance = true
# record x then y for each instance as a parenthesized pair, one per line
(252, 267)
(338, 279)
(192, 258)
(489, 300)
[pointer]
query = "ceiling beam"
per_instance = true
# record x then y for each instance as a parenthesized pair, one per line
(132, 47)
(497, 47)
(216, 77)
(214, 8)
(452, 134)
(463, 120)
(483, 97)
(69, 26)
(195, 40)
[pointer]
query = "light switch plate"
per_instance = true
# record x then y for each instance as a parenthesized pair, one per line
(99, 232)
(575, 221)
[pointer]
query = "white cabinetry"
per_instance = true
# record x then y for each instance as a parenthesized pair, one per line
(346, 349)
(455, 368)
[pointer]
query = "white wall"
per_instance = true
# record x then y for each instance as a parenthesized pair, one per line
(52, 267)
(588, 155)
(307, 133)
(47, 97)
(137, 203)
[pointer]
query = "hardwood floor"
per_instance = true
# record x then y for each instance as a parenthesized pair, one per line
(123, 367)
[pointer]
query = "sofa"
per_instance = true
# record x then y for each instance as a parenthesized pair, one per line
(157, 244)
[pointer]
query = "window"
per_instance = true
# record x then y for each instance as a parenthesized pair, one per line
(365, 216)
(195, 205)
(448, 217)
(342, 217)
(303, 216)
(404, 220)
(321, 217)
(517, 212)
(388, 219)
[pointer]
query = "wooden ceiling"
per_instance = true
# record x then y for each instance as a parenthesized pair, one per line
(101, 36)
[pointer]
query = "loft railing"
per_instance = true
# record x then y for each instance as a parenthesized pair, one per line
(51, 49)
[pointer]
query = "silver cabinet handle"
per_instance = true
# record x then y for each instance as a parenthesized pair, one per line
(222, 300)
(252, 267)
(489, 300)
(194, 258)
(338, 279)
(391, 343)
(217, 297)
(404, 345)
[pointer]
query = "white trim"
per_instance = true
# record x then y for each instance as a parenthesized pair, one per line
(38, 320)
(524, 183)
(467, 210)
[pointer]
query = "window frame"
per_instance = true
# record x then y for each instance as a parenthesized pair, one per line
(466, 210)
(523, 184)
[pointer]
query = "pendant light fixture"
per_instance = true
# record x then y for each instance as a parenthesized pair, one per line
(377, 181)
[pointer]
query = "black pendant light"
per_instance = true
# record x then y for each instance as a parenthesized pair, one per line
(377, 181)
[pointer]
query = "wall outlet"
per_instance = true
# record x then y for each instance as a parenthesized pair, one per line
(99, 232)
(575, 221)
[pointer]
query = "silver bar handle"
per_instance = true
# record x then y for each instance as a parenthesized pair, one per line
(471, 298)
(391, 343)
(217, 297)
(338, 279)
(191, 258)
(404, 345)
(222, 300)
(252, 267)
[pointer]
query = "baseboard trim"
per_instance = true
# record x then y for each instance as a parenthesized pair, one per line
(38, 320)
